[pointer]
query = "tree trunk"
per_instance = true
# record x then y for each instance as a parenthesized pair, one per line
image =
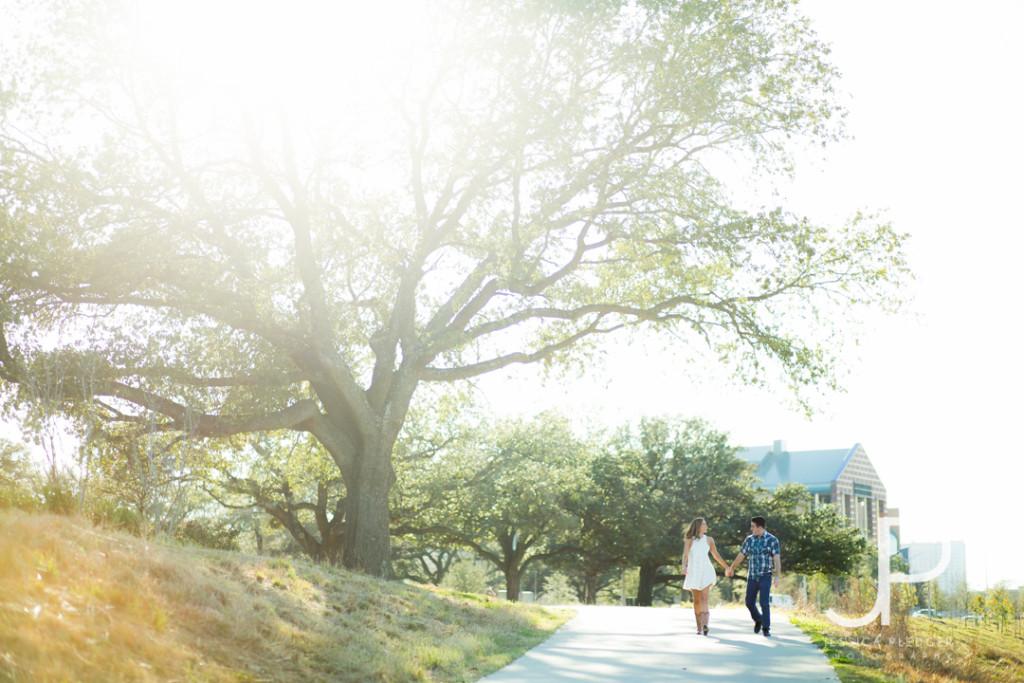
(513, 577)
(334, 547)
(590, 590)
(645, 592)
(332, 529)
(367, 546)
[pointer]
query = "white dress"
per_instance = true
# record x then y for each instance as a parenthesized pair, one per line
(700, 573)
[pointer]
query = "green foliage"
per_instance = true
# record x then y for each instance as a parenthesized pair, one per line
(208, 533)
(422, 562)
(902, 599)
(19, 480)
(999, 606)
(290, 478)
(60, 495)
(558, 590)
(820, 592)
(111, 513)
(931, 596)
(470, 575)
(979, 606)
(960, 599)
(641, 489)
(651, 480)
(502, 494)
(818, 540)
(156, 476)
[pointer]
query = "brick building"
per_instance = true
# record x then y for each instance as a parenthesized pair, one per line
(844, 477)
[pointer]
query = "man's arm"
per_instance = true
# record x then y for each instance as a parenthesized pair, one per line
(778, 568)
(731, 569)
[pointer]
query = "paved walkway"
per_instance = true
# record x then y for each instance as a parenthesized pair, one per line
(661, 644)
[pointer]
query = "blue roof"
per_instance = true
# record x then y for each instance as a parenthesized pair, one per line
(814, 469)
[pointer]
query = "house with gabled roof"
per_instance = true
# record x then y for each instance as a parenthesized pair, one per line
(841, 477)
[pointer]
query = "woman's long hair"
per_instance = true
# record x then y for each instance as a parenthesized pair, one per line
(694, 528)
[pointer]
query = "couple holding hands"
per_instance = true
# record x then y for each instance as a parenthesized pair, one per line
(762, 550)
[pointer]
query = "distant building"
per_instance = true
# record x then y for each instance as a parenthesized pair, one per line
(844, 478)
(925, 556)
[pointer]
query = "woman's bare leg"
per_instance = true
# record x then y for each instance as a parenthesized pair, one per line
(697, 607)
(705, 613)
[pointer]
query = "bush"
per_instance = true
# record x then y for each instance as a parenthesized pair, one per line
(208, 534)
(59, 495)
(468, 576)
(558, 591)
(108, 513)
(17, 497)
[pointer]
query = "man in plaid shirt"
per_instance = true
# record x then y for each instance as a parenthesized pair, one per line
(763, 550)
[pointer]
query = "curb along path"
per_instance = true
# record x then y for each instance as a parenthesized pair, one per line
(660, 644)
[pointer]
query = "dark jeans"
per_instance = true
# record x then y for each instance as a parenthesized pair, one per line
(762, 585)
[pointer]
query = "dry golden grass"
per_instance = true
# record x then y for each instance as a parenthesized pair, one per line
(918, 650)
(80, 603)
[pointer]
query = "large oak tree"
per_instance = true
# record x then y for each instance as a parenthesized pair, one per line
(208, 251)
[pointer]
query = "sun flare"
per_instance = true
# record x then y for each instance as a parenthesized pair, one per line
(269, 53)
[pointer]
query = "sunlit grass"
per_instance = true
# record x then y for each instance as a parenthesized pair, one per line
(927, 651)
(80, 603)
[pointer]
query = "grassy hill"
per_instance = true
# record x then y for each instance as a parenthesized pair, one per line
(918, 650)
(82, 603)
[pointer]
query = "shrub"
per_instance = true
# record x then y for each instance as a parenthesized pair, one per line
(59, 495)
(208, 534)
(558, 591)
(109, 513)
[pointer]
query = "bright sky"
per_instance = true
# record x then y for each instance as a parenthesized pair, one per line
(935, 107)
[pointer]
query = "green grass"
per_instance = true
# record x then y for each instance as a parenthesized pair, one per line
(80, 603)
(918, 650)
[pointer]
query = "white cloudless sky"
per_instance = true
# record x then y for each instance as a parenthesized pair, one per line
(933, 91)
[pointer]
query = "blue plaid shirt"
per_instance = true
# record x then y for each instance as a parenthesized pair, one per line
(759, 551)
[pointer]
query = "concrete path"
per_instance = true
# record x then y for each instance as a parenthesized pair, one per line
(661, 644)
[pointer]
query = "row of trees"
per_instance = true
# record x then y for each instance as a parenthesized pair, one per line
(998, 605)
(517, 494)
(535, 493)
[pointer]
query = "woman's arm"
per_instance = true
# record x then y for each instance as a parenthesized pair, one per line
(732, 568)
(686, 553)
(714, 553)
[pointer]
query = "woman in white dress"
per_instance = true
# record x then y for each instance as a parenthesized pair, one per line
(700, 573)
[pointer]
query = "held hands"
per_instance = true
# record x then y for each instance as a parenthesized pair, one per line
(729, 572)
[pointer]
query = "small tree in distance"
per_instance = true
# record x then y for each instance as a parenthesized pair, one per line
(999, 605)
(502, 499)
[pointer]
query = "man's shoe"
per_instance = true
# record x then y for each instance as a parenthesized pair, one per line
(757, 627)
(766, 634)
